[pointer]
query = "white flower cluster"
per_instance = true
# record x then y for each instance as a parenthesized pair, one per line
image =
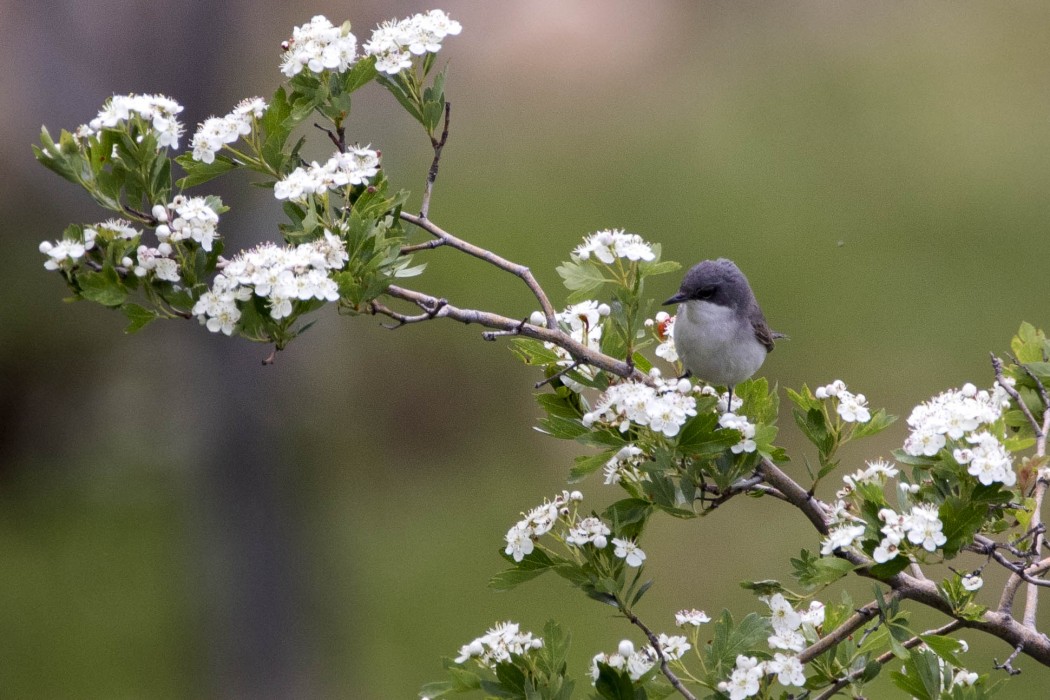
(319, 45)
(590, 530)
(844, 529)
(624, 466)
(610, 244)
(791, 631)
(537, 522)
(393, 43)
(187, 218)
(65, 253)
(158, 110)
(664, 408)
(498, 644)
(691, 617)
(972, 581)
(746, 429)
(356, 166)
(922, 526)
(583, 322)
(215, 132)
(958, 414)
(638, 662)
(852, 408)
(156, 260)
(663, 327)
(114, 228)
(279, 275)
(877, 472)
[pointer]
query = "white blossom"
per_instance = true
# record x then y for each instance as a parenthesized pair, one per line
(629, 551)
(394, 42)
(959, 414)
(972, 581)
(319, 46)
(664, 408)
(279, 275)
(610, 244)
(691, 617)
(840, 537)
(215, 132)
(498, 644)
(157, 110)
(357, 166)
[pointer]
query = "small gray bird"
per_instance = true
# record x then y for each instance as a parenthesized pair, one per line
(720, 332)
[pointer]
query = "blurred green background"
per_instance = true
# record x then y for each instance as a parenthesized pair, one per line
(178, 521)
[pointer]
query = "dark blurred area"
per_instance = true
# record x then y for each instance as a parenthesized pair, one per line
(177, 520)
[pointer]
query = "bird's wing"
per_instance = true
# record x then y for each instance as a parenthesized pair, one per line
(763, 334)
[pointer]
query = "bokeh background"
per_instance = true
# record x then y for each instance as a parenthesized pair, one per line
(178, 521)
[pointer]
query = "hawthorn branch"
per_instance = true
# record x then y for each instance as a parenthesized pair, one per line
(439, 308)
(1031, 607)
(857, 620)
(515, 269)
(997, 623)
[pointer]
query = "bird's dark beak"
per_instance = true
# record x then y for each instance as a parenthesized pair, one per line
(676, 299)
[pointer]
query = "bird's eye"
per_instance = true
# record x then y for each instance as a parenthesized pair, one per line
(705, 292)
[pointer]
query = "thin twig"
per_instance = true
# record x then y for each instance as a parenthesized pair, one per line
(438, 144)
(1008, 664)
(655, 642)
(335, 139)
(470, 249)
(557, 375)
(425, 245)
(510, 326)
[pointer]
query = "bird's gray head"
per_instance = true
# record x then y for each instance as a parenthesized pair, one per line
(716, 281)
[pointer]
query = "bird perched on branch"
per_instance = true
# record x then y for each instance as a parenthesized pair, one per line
(720, 333)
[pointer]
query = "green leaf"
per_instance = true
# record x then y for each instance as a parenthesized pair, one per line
(813, 571)
(360, 74)
(103, 287)
(945, 647)
(138, 316)
(588, 464)
(552, 655)
(1030, 344)
(534, 564)
(962, 519)
(615, 684)
(198, 173)
(730, 640)
(767, 587)
(582, 277)
(879, 422)
(628, 516)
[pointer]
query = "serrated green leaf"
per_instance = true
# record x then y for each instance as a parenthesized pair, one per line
(534, 564)
(102, 287)
(582, 276)
(138, 316)
(945, 647)
(589, 464)
(879, 422)
(731, 640)
(198, 173)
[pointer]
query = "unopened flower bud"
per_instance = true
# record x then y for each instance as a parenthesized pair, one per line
(626, 648)
(538, 319)
(160, 212)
